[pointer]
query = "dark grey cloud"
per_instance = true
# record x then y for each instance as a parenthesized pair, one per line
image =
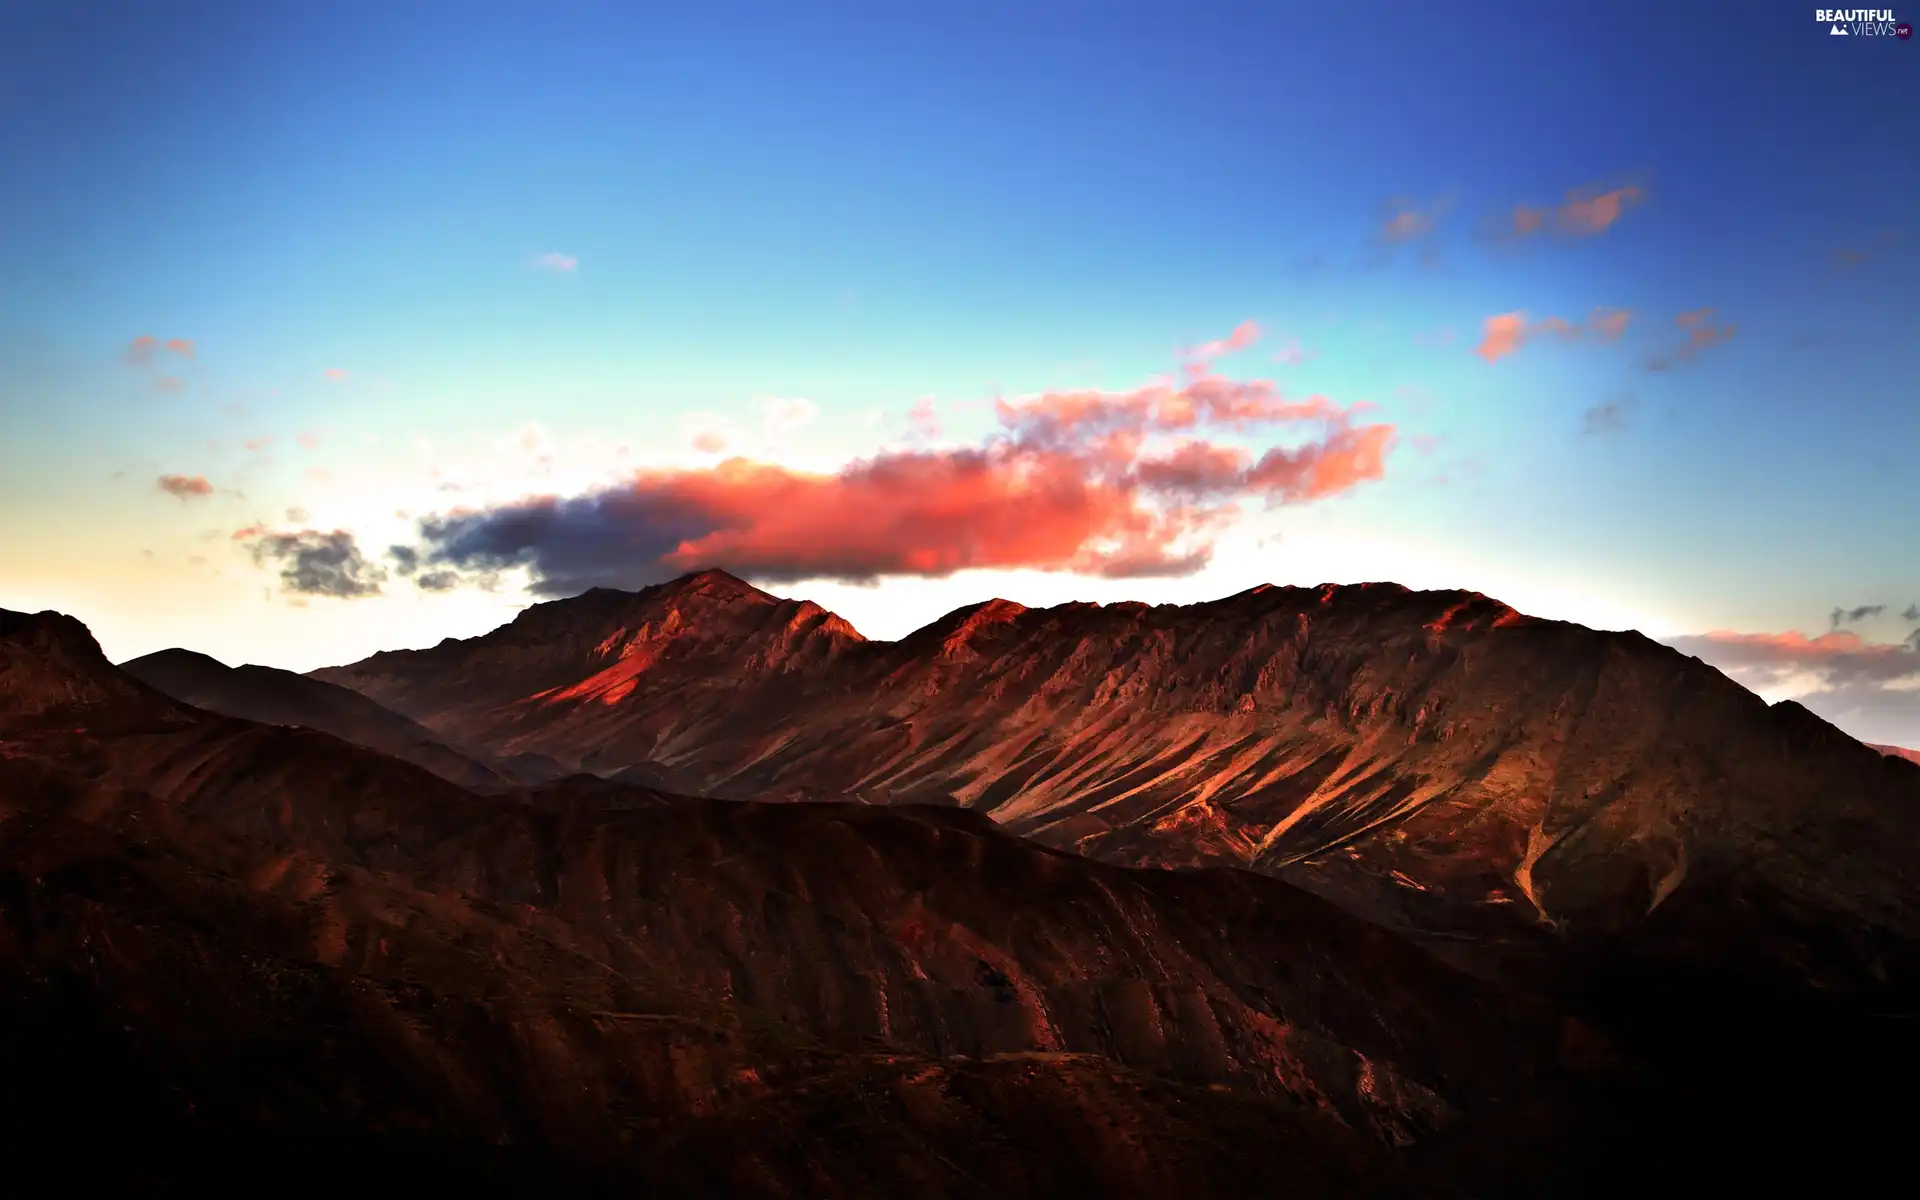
(1610, 416)
(406, 560)
(440, 581)
(1912, 613)
(313, 563)
(612, 538)
(1853, 616)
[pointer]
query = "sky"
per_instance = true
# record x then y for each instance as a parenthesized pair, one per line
(328, 328)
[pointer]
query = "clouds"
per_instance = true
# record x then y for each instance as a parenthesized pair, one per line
(784, 415)
(313, 563)
(1116, 484)
(1407, 224)
(1700, 333)
(1504, 333)
(1853, 616)
(1872, 689)
(184, 487)
(555, 263)
(145, 350)
(1609, 416)
(922, 421)
(1585, 212)
(335, 374)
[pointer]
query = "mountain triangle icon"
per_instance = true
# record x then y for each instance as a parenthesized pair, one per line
(1839, 32)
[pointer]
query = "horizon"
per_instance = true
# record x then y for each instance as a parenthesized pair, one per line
(326, 333)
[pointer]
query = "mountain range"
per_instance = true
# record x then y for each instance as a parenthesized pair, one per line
(1325, 891)
(1491, 783)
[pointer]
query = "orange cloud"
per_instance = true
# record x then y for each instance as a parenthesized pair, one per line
(1501, 335)
(1245, 334)
(1584, 213)
(1107, 483)
(1701, 332)
(259, 443)
(336, 373)
(1504, 333)
(309, 439)
(184, 487)
(145, 349)
(709, 442)
(1587, 213)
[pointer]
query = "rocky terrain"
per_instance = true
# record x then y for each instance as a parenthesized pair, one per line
(1502, 787)
(216, 933)
(1376, 892)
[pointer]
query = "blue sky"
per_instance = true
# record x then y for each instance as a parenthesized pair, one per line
(782, 226)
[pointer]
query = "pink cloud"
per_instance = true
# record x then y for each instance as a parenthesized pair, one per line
(1701, 333)
(336, 373)
(922, 420)
(556, 262)
(1504, 333)
(310, 439)
(144, 350)
(1584, 213)
(708, 441)
(260, 443)
(184, 487)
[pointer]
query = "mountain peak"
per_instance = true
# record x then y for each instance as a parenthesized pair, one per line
(711, 582)
(176, 658)
(52, 673)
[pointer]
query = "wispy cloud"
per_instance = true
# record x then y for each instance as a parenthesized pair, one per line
(1701, 333)
(563, 264)
(146, 350)
(923, 421)
(1504, 333)
(169, 384)
(1848, 257)
(310, 439)
(1584, 212)
(1853, 616)
(785, 414)
(336, 373)
(184, 487)
(1609, 416)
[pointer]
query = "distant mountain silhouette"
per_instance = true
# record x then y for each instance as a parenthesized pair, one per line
(275, 697)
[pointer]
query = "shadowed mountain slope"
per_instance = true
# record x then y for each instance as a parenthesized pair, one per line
(215, 932)
(275, 697)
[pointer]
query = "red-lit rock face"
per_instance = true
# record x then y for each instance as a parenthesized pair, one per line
(1432, 759)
